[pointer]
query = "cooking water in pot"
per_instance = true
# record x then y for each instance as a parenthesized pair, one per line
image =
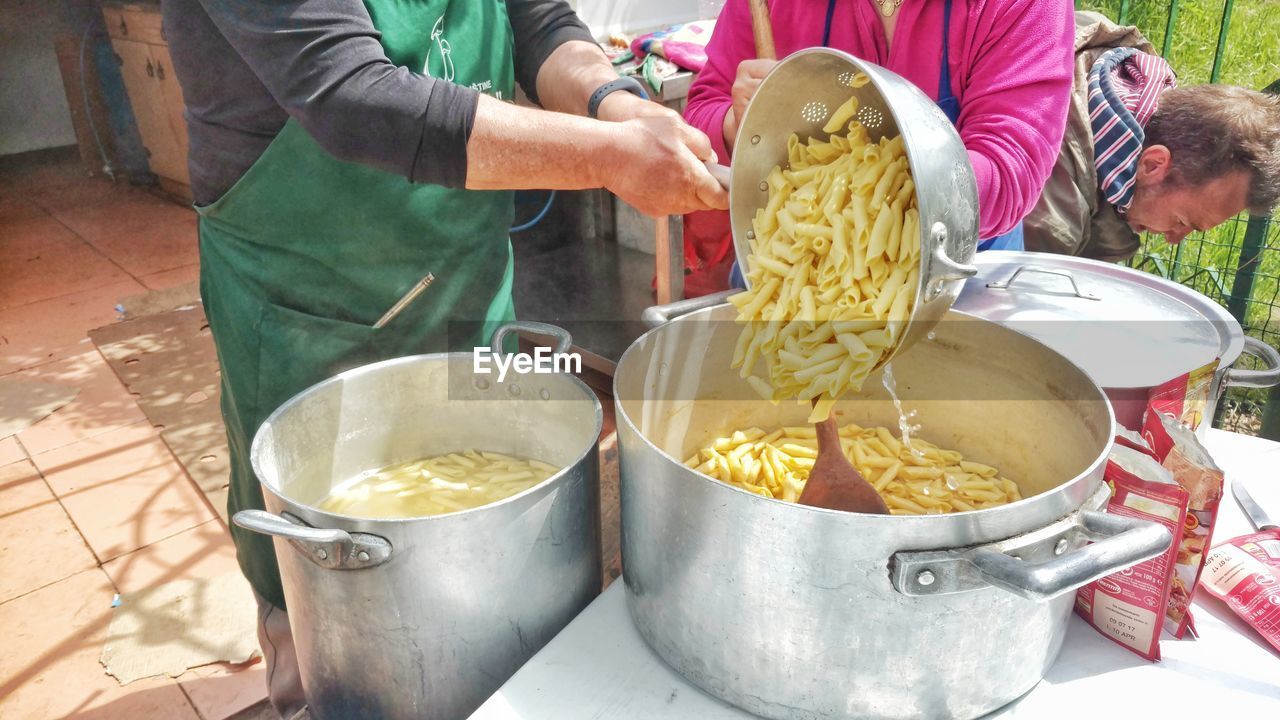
(436, 485)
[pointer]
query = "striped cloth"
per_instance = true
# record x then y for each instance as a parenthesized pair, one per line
(1125, 85)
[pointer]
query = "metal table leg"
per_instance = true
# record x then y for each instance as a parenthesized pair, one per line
(669, 256)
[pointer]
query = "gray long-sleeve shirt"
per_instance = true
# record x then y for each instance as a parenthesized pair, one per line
(247, 66)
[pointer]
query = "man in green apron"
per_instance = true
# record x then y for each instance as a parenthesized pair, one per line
(343, 149)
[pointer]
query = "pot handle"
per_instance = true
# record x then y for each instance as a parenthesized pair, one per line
(1123, 542)
(1241, 377)
(1120, 542)
(332, 549)
(663, 314)
(563, 341)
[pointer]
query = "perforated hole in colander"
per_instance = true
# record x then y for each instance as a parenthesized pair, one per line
(869, 117)
(845, 78)
(814, 111)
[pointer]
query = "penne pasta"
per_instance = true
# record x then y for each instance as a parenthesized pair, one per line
(837, 241)
(913, 479)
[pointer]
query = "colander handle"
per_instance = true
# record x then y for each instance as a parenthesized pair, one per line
(721, 173)
(944, 269)
(659, 315)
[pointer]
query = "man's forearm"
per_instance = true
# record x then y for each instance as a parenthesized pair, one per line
(569, 76)
(652, 162)
(516, 148)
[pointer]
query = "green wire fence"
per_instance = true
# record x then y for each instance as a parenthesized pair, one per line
(1238, 263)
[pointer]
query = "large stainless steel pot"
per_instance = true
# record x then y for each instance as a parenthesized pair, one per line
(424, 618)
(798, 96)
(1130, 330)
(791, 611)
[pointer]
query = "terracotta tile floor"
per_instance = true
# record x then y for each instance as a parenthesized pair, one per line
(92, 502)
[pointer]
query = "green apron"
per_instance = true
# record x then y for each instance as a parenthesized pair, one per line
(305, 252)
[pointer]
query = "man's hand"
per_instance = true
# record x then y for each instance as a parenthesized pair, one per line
(621, 106)
(660, 168)
(745, 85)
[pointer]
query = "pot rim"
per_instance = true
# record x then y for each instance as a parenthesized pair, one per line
(622, 416)
(301, 397)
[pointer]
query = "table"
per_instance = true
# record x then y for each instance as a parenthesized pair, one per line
(599, 667)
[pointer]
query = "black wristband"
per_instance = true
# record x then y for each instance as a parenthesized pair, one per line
(628, 84)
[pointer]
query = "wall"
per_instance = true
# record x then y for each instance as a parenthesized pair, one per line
(33, 104)
(607, 16)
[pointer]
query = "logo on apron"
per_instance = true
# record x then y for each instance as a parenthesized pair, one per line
(441, 47)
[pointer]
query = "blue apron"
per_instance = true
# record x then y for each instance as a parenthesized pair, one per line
(950, 106)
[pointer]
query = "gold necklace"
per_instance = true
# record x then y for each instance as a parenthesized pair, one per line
(889, 7)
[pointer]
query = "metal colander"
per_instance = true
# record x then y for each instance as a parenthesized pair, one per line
(798, 96)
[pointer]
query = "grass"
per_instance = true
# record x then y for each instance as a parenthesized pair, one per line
(1251, 57)
(1208, 261)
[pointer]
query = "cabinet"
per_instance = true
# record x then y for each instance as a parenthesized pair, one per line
(154, 94)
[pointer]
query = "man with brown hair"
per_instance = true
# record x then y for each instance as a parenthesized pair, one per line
(1141, 155)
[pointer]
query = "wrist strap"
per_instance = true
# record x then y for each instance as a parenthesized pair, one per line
(626, 84)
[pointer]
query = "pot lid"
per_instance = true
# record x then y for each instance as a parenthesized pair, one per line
(1124, 327)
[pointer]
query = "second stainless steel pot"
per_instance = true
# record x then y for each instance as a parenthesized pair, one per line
(797, 612)
(1128, 329)
(423, 618)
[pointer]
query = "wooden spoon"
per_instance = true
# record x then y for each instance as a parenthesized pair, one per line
(762, 30)
(834, 483)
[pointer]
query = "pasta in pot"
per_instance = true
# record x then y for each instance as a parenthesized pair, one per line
(436, 485)
(834, 266)
(915, 479)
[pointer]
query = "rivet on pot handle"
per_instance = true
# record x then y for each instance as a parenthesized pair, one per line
(663, 314)
(1242, 377)
(1121, 542)
(563, 341)
(329, 548)
(944, 268)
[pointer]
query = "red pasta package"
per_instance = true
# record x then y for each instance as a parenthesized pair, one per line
(1129, 606)
(1181, 452)
(1244, 572)
(1185, 397)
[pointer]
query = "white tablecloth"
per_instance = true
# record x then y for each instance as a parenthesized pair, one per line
(599, 667)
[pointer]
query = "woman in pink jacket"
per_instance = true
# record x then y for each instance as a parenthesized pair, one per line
(1000, 69)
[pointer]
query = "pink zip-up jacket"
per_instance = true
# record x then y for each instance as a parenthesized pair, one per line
(1011, 70)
